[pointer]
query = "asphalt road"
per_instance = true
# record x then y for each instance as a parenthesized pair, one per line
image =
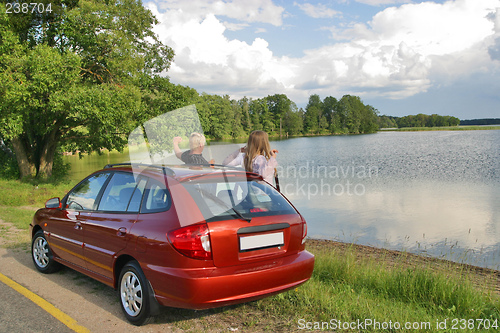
(88, 305)
(20, 314)
(85, 304)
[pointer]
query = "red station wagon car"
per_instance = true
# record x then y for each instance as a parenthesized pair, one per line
(186, 237)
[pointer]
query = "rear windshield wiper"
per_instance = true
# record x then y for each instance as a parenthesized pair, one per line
(219, 201)
(248, 219)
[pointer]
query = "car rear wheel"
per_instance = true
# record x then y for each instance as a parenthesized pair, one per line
(42, 255)
(134, 294)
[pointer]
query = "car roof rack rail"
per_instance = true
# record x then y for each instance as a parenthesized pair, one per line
(222, 166)
(166, 170)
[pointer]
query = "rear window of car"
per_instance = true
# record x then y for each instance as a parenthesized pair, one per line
(235, 198)
(156, 199)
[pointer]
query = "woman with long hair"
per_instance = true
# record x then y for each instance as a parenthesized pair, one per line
(258, 157)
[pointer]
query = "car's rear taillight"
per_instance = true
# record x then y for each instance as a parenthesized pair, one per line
(192, 241)
(304, 229)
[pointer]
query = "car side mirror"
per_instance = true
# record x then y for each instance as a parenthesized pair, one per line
(53, 203)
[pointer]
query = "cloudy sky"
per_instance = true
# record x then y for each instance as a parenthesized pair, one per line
(400, 56)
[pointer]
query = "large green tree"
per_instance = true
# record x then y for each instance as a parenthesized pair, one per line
(313, 115)
(79, 75)
(217, 116)
(279, 105)
(245, 109)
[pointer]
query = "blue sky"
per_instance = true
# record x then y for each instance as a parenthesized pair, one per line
(400, 56)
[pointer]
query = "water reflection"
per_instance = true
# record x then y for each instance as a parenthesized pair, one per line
(82, 167)
(440, 220)
(429, 192)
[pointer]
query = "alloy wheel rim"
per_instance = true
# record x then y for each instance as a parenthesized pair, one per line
(41, 252)
(131, 294)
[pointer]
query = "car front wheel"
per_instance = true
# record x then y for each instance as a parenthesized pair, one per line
(134, 294)
(42, 255)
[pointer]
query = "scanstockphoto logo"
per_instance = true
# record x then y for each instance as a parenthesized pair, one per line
(310, 180)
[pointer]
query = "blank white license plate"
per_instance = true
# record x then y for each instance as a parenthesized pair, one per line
(261, 241)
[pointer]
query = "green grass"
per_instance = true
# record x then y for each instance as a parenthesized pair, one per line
(347, 289)
(20, 200)
(18, 217)
(17, 194)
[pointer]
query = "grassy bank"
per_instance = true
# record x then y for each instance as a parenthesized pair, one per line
(349, 286)
(445, 128)
(353, 288)
(19, 199)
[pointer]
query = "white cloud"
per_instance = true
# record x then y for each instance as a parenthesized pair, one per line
(206, 58)
(318, 10)
(401, 52)
(451, 39)
(247, 11)
(382, 2)
(434, 29)
(494, 49)
(235, 26)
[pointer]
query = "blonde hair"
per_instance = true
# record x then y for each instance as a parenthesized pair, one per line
(196, 140)
(258, 144)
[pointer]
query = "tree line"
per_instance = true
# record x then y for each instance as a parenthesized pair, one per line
(222, 117)
(479, 122)
(419, 120)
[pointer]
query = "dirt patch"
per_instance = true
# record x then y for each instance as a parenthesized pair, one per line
(12, 236)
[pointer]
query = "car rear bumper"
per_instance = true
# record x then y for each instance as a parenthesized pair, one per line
(202, 288)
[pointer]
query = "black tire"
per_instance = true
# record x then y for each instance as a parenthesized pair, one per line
(42, 255)
(134, 293)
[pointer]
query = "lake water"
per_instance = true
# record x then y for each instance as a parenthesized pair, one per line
(434, 193)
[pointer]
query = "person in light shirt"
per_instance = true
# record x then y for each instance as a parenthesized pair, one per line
(256, 157)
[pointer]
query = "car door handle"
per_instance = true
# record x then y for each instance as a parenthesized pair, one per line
(121, 231)
(78, 226)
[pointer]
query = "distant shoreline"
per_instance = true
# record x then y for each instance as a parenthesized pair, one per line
(444, 128)
(272, 137)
